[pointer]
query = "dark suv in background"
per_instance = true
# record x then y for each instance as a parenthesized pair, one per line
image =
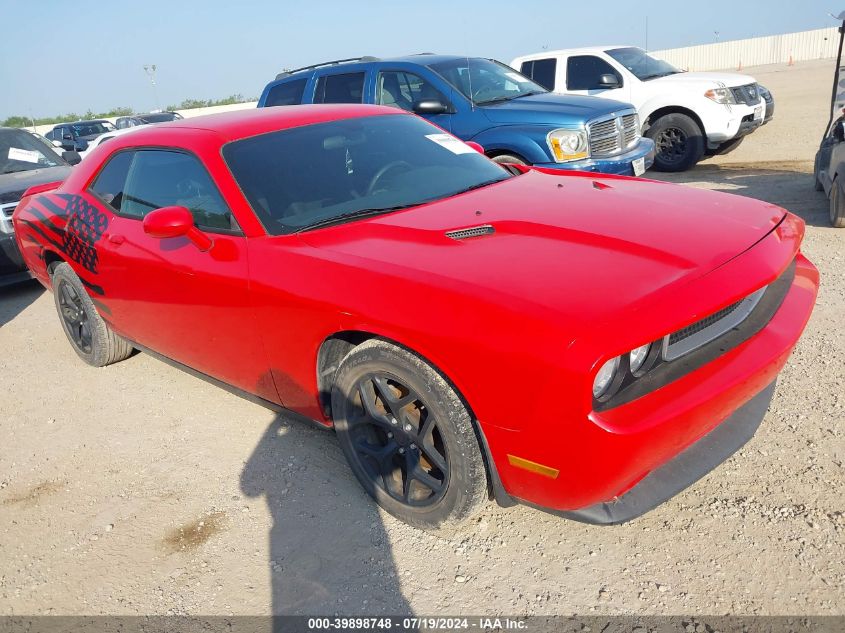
(75, 136)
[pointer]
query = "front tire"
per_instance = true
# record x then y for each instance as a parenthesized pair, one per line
(92, 340)
(407, 436)
(837, 205)
(679, 142)
(508, 159)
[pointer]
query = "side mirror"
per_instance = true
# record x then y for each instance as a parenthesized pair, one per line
(430, 106)
(175, 222)
(67, 137)
(609, 80)
(71, 158)
(475, 146)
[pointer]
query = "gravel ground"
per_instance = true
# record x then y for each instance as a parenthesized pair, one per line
(138, 489)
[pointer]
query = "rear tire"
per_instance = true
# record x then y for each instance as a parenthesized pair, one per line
(395, 415)
(837, 205)
(679, 142)
(92, 340)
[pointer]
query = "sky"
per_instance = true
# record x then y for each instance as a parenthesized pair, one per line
(58, 56)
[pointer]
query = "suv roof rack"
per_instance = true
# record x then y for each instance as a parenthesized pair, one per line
(366, 58)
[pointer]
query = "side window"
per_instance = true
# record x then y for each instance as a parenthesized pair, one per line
(122, 123)
(345, 88)
(583, 72)
(108, 185)
(542, 71)
(287, 93)
(162, 178)
(403, 90)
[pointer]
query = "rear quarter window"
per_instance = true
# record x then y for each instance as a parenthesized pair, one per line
(542, 71)
(343, 88)
(287, 93)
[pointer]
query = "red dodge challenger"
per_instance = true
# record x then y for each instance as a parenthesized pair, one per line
(586, 344)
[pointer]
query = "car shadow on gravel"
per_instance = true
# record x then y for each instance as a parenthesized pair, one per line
(15, 299)
(328, 549)
(788, 185)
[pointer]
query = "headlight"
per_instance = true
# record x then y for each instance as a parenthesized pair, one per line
(605, 377)
(567, 145)
(720, 95)
(637, 357)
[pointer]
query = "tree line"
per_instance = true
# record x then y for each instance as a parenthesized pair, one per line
(187, 104)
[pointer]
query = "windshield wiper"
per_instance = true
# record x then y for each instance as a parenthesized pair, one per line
(353, 215)
(478, 186)
(656, 75)
(510, 97)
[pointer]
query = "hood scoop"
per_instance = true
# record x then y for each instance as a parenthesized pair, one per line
(473, 231)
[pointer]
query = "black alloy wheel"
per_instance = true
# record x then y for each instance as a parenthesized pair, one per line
(396, 438)
(671, 145)
(74, 315)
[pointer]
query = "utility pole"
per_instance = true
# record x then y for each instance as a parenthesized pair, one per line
(150, 69)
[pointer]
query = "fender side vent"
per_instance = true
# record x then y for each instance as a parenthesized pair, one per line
(475, 231)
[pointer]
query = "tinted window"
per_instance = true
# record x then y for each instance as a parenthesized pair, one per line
(93, 128)
(403, 90)
(541, 71)
(346, 88)
(158, 117)
(110, 182)
(160, 178)
(298, 177)
(287, 93)
(21, 151)
(583, 72)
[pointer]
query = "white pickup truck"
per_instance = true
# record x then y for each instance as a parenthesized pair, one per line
(689, 115)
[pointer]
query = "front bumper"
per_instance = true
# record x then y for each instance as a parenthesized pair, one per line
(663, 483)
(621, 164)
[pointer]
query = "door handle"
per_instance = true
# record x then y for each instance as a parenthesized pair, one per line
(117, 240)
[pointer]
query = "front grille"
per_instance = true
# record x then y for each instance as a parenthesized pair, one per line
(6, 211)
(748, 94)
(614, 135)
(476, 231)
(710, 327)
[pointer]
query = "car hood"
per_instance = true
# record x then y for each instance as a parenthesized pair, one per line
(710, 80)
(552, 109)
(583, 246)
(12, 186)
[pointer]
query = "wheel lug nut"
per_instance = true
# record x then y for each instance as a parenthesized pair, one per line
(413, 445)
(393, 421)
(390, 436)
(408, 428)
(401, 451)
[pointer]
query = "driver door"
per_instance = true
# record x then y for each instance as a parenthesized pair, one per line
(166, 294)
(583, 76)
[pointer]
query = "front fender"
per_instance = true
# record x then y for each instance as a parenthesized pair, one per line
(528, 141)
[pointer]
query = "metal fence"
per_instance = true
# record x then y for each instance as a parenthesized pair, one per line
(772, 49)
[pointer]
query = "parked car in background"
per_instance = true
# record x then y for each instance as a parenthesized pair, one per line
(25, 161)
(75, 136)
(54, 145)
(829, 170)
(92, 145)
(689, 115)
(481, 100)
(588, 344)
(145, 119)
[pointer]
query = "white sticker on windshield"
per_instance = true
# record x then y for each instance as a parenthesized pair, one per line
(24, 155)
(518, 78)
(454, 145)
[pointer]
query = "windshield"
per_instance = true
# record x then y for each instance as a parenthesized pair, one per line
(92, 128)
(312, 175)
(485, 81)
(641, 64)
(21, 151)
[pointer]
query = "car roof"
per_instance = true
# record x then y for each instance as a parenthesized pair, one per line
(239, 124)
(85, 121)
(420, 59)
(583, 50)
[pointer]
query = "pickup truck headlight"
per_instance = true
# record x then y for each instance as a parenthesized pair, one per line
(567, 145)
(721, 95)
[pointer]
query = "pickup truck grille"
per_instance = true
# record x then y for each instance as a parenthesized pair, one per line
(748, 94)
(613, 136)
(6, 211)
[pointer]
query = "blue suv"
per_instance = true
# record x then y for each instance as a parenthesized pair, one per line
(481, 100)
